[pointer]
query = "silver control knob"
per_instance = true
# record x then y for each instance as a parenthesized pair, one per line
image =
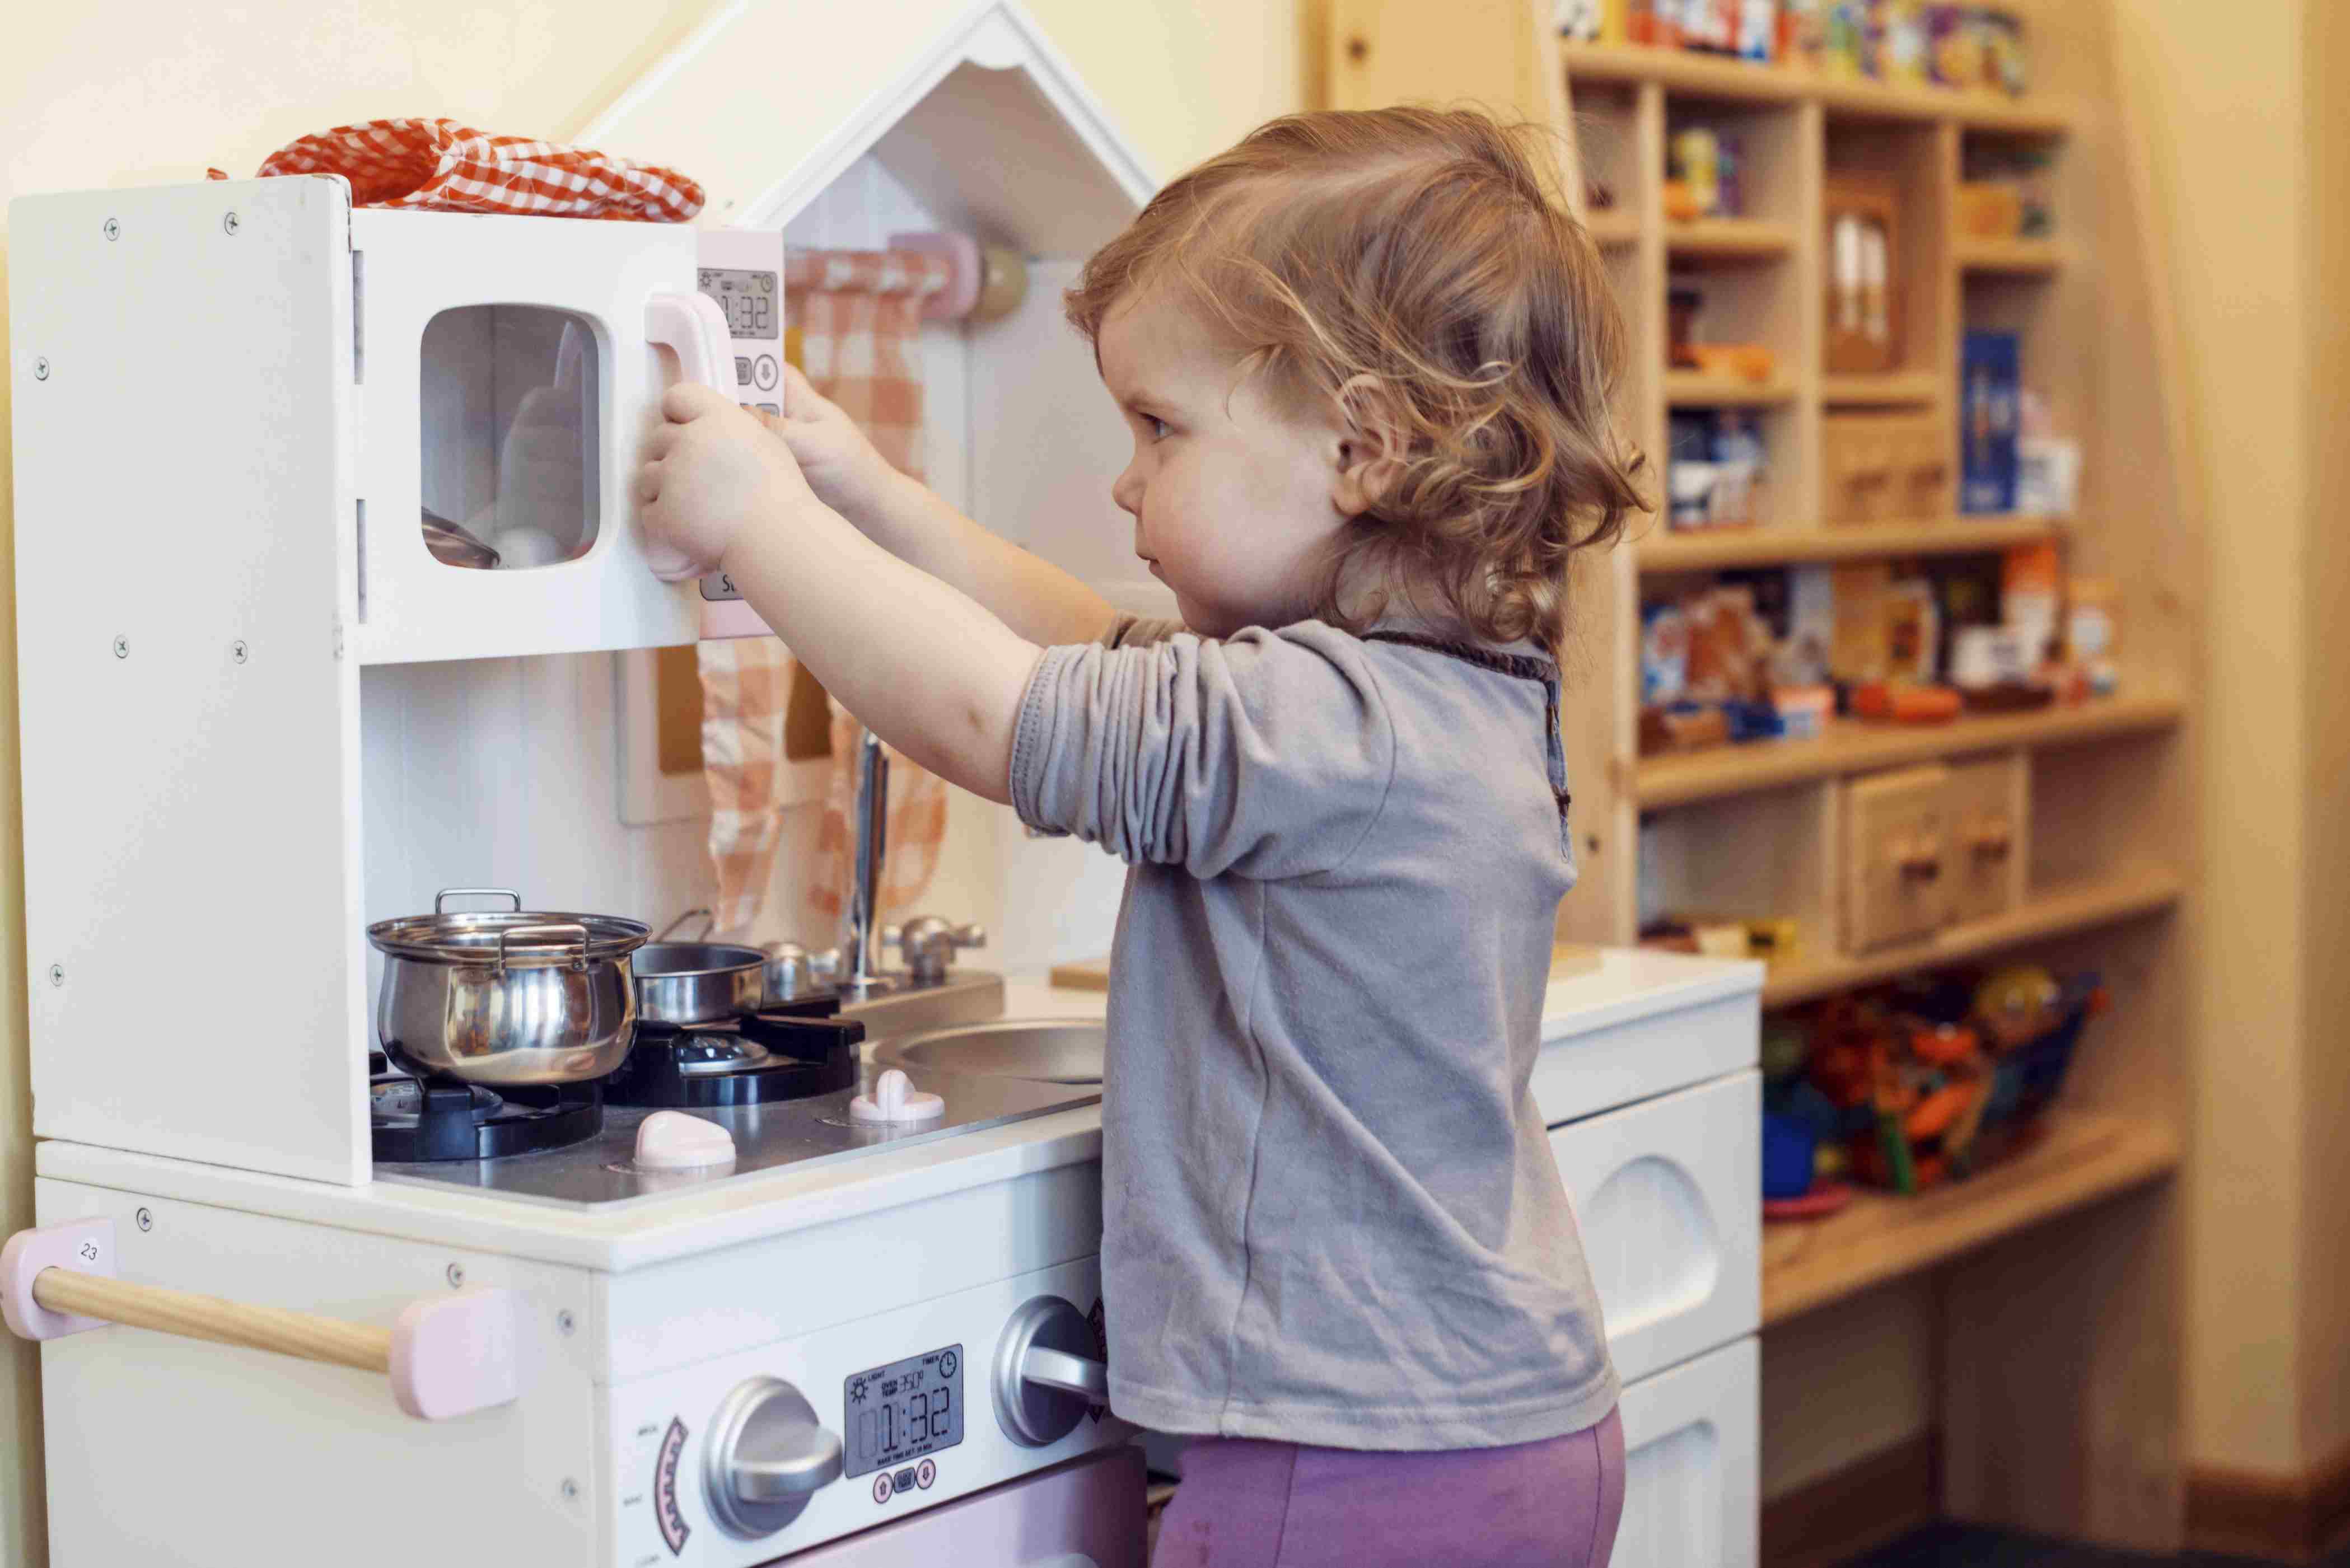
(1046, 1377)
(767, 1455)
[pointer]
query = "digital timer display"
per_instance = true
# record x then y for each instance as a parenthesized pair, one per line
(748, 296)
(893, 1415)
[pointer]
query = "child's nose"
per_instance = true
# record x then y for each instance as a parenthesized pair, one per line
(1125, 491)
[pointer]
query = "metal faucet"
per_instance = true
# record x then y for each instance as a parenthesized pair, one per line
(862, 976)
(928, 943)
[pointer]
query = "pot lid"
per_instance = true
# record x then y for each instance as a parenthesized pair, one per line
(530, 939)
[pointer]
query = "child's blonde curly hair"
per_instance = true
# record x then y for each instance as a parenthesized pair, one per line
(1419, 265)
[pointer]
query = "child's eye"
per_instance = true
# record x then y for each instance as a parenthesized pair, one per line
(1155, 427)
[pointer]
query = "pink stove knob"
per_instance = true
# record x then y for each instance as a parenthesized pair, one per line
(895, 1099)
(672, 1140)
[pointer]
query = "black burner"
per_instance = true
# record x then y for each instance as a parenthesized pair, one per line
(789, 1051)
(434, 1118)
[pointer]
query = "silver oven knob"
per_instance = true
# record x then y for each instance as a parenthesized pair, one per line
(1046, 1377)
(767, 1455)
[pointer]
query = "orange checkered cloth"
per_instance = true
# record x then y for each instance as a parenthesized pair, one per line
(447, 167)
(856, 313)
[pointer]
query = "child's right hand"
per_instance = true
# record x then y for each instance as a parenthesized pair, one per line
(839, 461)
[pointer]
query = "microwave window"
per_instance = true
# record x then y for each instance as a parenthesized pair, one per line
(748, 296)
(510, 436)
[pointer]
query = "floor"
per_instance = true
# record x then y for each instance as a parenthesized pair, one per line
(1964, 1547)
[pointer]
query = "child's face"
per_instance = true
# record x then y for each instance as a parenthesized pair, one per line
(1230, 490)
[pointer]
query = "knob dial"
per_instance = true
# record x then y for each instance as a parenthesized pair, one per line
(1047, 1376)
(767, 1455)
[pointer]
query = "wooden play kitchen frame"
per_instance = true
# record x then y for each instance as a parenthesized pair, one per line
(2057, 1385)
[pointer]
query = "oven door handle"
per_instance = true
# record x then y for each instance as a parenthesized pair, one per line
(446, 1355)
(1079, 1375)
(695, 329)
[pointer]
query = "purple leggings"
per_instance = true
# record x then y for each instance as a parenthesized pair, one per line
(1248, 1504)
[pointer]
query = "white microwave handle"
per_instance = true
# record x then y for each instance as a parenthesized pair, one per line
(694, 326)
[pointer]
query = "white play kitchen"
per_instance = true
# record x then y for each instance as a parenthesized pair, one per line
(398, 1188)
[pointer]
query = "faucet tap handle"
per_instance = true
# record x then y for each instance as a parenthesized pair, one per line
(929, 945)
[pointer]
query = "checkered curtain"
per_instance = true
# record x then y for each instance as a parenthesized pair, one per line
(855, 316)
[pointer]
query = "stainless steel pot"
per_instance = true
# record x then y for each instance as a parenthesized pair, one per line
(505, 997)
(793, 973)
(699, 983)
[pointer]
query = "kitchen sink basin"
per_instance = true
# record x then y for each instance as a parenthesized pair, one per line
(1046, 1050)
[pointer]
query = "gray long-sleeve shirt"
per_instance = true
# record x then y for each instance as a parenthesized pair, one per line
(1331, 1214)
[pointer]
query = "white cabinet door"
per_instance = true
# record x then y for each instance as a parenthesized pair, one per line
(1669, 1196)
(1693, 1464)
(506, 385)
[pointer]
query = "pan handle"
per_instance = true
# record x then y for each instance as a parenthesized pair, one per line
(570, 929)
(446, 1355)
(445, 894)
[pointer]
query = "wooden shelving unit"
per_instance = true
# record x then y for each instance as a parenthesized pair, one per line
(1893, 389)
(1695, 389)
(1718, 549)
(1854, 746)
(2078, 1160)
(1613, 228)
(2057, 911)
(2037, 1370)
(2020, 257)
(1705, 76)
(1730, 239)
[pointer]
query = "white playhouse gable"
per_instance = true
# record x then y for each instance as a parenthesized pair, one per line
(966, 106)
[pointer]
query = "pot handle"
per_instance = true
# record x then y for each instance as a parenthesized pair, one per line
(446, 1355)
(571, 929)
(445, 894)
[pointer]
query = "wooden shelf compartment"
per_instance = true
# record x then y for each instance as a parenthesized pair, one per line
(1709, 76)
(1728, 239)
(1852, 746)
(2079, 1158)
(1889, 388)
(1705, 550)
(1695, 389)
(1613, 226)
(2018, 257)
(2048, 912)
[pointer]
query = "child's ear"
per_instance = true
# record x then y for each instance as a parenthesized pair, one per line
(1368, 445)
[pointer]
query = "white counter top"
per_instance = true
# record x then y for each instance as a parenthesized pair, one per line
(1625, 987)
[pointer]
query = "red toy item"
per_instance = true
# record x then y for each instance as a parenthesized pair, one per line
(1905, 704)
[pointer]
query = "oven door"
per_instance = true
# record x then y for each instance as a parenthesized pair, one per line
(1086, 1513)
(509, 370)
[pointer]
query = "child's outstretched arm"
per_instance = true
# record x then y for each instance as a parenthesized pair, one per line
(919, 662)
(1032, 595)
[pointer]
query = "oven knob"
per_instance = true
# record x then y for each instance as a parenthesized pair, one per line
(767, 1455)
(895, 1099)
(1045, 1374)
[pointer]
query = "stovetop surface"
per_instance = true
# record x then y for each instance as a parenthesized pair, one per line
(795, 1133)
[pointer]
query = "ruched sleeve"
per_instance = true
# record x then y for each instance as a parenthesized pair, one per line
(1268, 754)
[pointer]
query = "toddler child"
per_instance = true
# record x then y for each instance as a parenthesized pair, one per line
(1365, 361)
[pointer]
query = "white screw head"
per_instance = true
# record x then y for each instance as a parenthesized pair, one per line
(236, 650)
(146, 1219)
(122, 648)
(56, 974)
(565, 1320)
(41, 367)
(570, 1489)
(113, 229)
(228, 224)
(456, 1275)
